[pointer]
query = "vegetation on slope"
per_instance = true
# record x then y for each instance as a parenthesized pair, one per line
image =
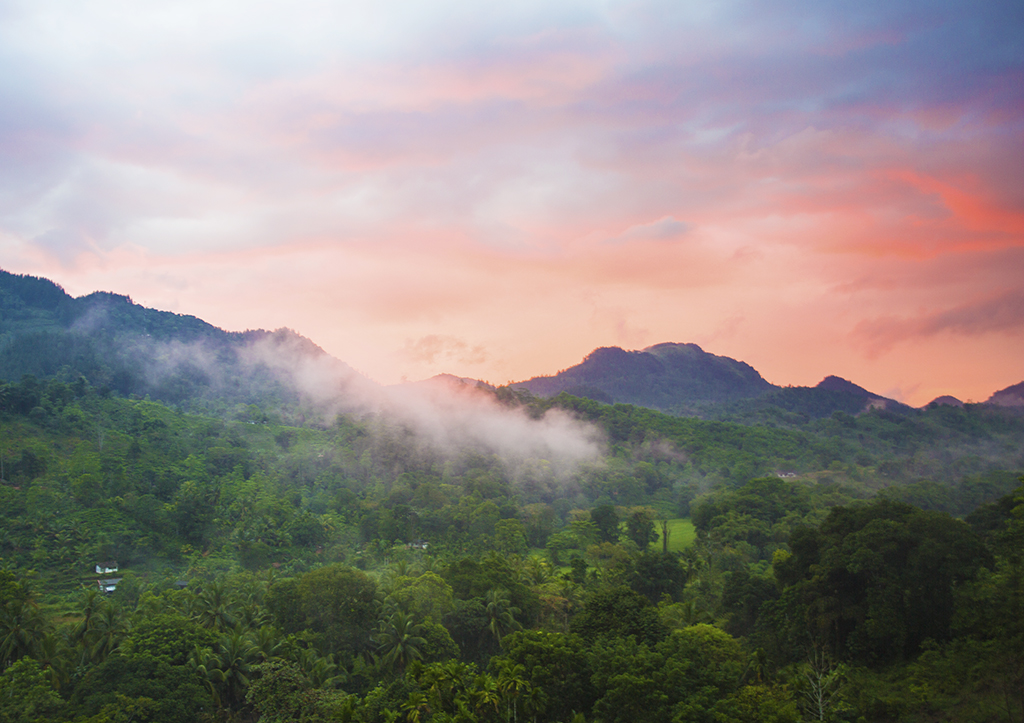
(351, 572)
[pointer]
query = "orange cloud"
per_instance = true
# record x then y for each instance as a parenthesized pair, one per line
(1000, 313)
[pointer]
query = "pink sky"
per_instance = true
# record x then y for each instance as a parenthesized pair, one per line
(822, 188)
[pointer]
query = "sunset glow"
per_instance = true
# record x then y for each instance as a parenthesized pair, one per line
(493, 192)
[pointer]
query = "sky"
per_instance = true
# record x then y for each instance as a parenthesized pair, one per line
(494, 190)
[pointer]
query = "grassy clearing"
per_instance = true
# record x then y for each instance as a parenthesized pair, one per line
(681, 534)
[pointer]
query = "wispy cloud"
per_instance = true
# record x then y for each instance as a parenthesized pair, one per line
(664, 229)
(1000, 313)
(438, 347)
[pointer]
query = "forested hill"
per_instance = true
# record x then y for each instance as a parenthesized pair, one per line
(684, 379)
(669, 377)
(130, 350)
(121, 347)
(343, 573)
(483, 555)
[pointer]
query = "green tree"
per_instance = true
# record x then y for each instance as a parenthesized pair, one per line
(26, 693)
(281, 693)
(167, 636)
(618, 612)
(558, 670)
(689, 677)
(511, 678)
(399, 641)
(109, 628)
(22, 626)
(215, 608)
(427, 597)
(335, 603)
(640, 529)
(501, 614)
(510, 537)
(439, 645)
(227, 667)
(657, 574)
(607, 521)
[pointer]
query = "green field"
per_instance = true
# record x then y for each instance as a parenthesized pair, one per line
(681, 534)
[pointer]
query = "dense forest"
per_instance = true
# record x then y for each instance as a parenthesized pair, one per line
(249, 552)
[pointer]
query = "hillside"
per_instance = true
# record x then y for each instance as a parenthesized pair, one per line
(684, 379)
(469, 549)
(124, 348)
(670, 377)
(1009, 397)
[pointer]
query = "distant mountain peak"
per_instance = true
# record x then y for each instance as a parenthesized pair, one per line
(945, 401)
(1009, 397)
(286, 338)
(107, 297)
(671, 347)
(833, 383)
(668, 376)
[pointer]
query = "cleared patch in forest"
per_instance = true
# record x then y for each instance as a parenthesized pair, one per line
(681, 534)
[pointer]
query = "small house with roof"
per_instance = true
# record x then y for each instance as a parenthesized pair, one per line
(108, 584)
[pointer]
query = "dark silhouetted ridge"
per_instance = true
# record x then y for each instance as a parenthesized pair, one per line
(1009, 397)
(670, 377)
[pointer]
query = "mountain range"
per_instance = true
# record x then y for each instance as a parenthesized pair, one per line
(125, 348)
(685, 379)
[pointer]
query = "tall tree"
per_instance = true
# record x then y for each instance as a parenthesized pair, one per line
(399, 641)
(607, 521)
(500, 614)
(640, 529)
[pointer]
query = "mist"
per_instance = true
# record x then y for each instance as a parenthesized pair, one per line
(446, 415)
(443, 417)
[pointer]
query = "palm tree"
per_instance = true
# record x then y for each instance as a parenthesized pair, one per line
(694, 614)
(536, 571)
(415, 706)
(109, 629)
(321, 671)
(90, 604)
(535, 701)
(268, 642)
(398, 640)
(500, 614)
(251, 615)
(485, 695)
(757, 667)
(227, 669)
(511, 683)
(388, 582)
(187, 603)
(54, 656)
(22, 629)
(445, 682)
(684, 614)
(215, 609)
